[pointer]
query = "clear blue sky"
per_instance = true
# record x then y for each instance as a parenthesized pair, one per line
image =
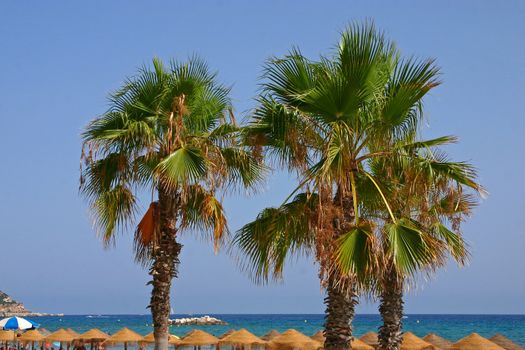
(59, 60)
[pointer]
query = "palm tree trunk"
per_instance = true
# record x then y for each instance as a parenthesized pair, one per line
(341, 297)
(391, 310)
(164, 268)
(339, 313)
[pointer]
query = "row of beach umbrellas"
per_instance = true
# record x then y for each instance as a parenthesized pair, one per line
(288, 340)
(433, 341)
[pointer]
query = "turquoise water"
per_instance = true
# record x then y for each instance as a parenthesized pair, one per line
(452, 327)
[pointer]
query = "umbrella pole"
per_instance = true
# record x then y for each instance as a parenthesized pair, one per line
(125, 346)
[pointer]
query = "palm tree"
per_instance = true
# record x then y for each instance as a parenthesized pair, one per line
(327, 120)
(169, 131)
(428, 194)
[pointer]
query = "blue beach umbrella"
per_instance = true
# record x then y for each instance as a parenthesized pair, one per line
(16, 323)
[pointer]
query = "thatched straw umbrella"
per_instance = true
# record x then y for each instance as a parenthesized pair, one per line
(173, 340)
(93, 336)
(358, 344)
(371, 339)
(73, 332)
(198, 338)
(505, 342)
(438, 341)
(292, 339)
(270, 335)
(227, 333)
(32, 336)
(124, 336)
(242, 338)
(62, 336)
(413, 342)
(475, 342)
(318, 337)
(7, 337)
(150, 338)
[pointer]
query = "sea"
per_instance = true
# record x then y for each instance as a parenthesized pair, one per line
(452, 327)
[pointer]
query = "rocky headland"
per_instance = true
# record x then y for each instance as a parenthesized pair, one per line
(10, 307)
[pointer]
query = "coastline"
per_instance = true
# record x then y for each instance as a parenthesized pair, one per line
(29, 314)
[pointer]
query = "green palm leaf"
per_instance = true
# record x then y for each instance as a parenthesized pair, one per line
(436, 165)
(410, 82)
(282, 131)
(204, 213)
(114, 209)
(187, 165)
(274, 235)
(356, 253)
(243, 167)
(289, 78)
(408, 248)
(455, 243)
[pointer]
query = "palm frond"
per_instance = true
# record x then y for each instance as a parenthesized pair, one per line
(289, 78)
(428, 144)
(436, 165)
(408, 248)
(454, 203)
(146, 235)
(242, 167)
(357, 252)
(354, 77)
(203, 212)
(187, 165)
(282, 131)
(409, 83)
(101, 175)
(275, 234)
(113, 209)
(454, 242)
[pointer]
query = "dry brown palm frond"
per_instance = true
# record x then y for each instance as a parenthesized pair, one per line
(146, 234)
